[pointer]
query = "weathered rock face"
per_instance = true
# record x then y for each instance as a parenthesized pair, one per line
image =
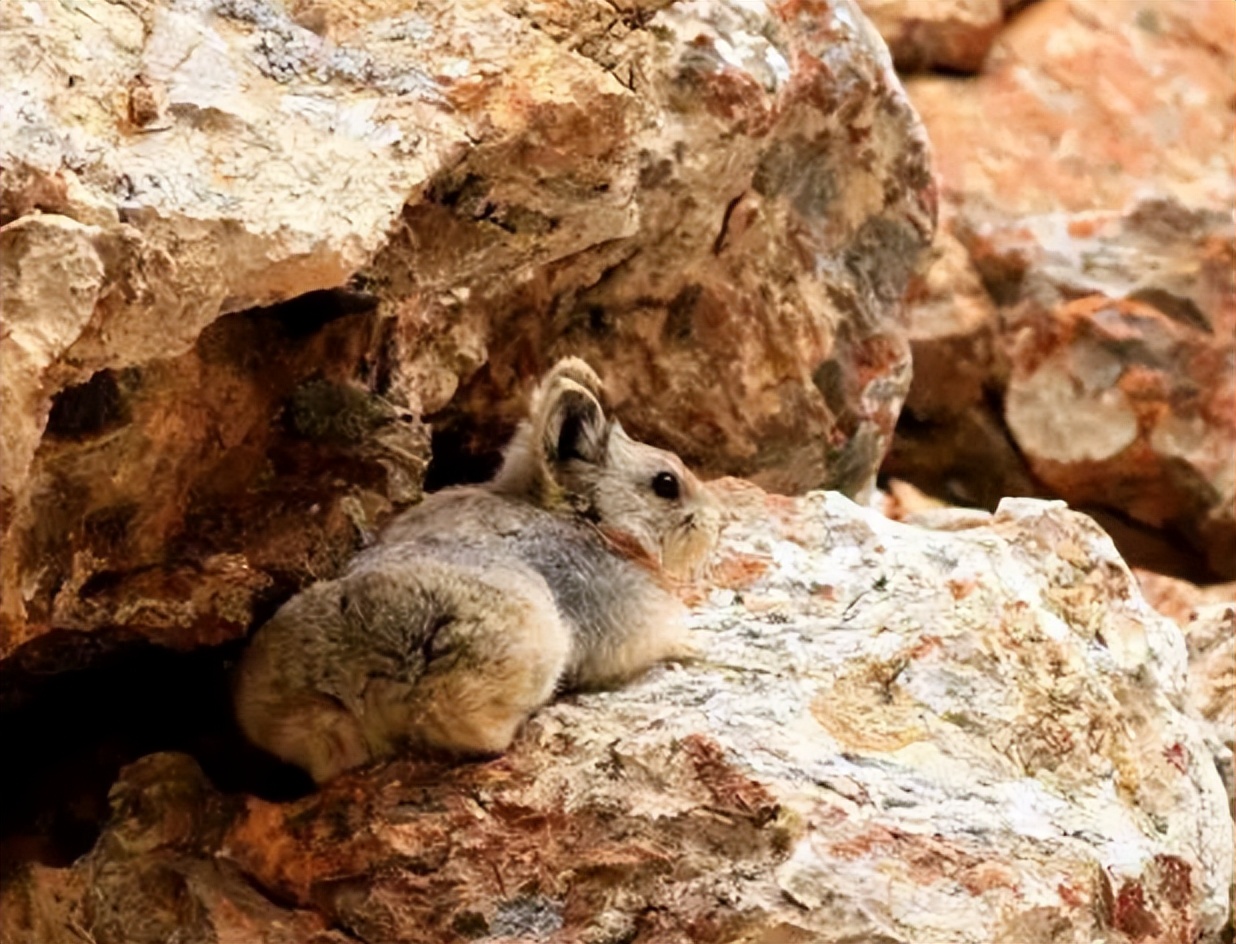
(175, 499)
(1091, 145)
(1211, 635)
(977, 733)
(1123, 383)
(746, 312)
(1077, 335)
(1207, 616)
(719, 205)
(893, 733)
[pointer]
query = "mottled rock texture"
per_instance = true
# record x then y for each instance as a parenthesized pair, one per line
(1207, 616)
(717, 203)
(1077, 333)
(257, 259)
(892, 734)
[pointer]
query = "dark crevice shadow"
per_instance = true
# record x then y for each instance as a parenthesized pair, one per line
(65, 735)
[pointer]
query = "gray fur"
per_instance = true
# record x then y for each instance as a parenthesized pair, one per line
(476, 605)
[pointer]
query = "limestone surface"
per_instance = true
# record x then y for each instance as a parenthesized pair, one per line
(892, 733)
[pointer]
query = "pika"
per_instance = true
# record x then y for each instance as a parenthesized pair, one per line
(474, 607)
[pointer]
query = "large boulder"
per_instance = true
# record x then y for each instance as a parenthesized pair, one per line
(971, 733)
(248, 248)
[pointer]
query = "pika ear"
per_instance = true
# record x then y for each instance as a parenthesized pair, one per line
(571, 424)
(566, 421)
(573, 369)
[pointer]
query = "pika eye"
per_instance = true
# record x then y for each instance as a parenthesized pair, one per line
(665, 485)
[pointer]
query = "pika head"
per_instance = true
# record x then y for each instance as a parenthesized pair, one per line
(570, 456)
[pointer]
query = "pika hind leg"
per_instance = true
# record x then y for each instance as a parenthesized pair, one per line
(319, 735)
(289, 718)
(494, 657)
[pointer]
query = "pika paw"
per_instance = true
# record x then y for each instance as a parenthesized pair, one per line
(474, 607)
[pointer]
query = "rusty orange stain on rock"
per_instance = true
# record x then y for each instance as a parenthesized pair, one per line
(260, 843)
(736, 97)
(738, 571)
(1070, 895)
(988, 875)
(931, 859)
(1147, 385)
(1130, 914)
(1178, 756)
(1081, 227)
(731, 792)
(926, 644)
(960, 589)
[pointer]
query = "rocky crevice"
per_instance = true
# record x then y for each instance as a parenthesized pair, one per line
(757, 791)
(223, 370)
(77, 709)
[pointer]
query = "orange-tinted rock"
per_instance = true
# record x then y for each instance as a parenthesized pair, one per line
(718, 206)
(892, 733)
(947, 437)
(1087, 104)
(1207, 616)
(952, 35)
(153, 876)
(1096, 214)
(1124, 397)
(177, 499)
(747, 316)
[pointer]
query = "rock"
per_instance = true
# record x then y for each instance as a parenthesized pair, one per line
(720, 205)
(1207, 615)
(1036, 133)
(137, 142)
(747, 317)
(151, 877)
(1123, 386)
(948, 437)
(1211, 636)
(179, 499)
(952, 329)
(1089, 354)
(902, 501)
(1179, 600)
(51, 281)
(892, 733)
(952, 35)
